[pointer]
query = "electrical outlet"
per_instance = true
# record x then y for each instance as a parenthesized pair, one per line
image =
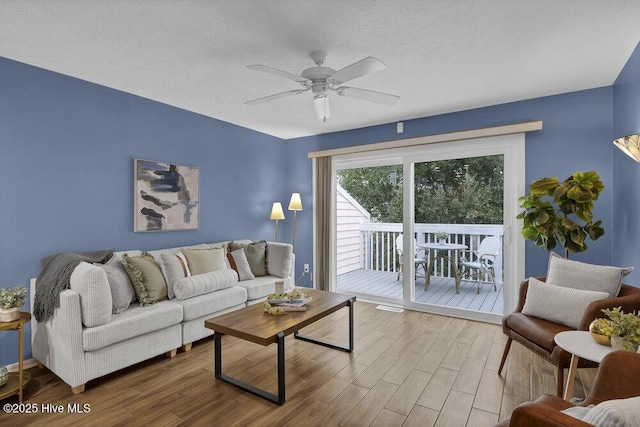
(305, 268)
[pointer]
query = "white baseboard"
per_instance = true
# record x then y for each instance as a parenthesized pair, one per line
(29, 363)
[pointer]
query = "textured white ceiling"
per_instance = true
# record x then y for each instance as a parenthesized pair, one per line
(442, 56)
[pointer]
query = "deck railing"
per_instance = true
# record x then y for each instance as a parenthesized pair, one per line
(378, 249)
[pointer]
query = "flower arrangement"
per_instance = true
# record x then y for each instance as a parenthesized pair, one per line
(442, 235)
(623, 326)
(13, 297)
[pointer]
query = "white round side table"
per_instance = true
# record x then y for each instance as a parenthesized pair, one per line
(579, 344)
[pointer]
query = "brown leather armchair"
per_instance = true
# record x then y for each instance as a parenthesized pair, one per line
(617, 378)
(537, 334)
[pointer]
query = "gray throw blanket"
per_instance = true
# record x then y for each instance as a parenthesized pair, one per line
(54, 278)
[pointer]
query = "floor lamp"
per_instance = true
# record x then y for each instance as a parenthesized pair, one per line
(276, 214)
(295, 205)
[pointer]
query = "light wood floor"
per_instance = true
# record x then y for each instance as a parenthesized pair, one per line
(408, 369)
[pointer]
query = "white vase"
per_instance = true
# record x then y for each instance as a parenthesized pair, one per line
(443, 241)
(9, 314)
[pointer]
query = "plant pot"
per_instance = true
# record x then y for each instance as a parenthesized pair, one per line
(443, 241)
(616, 344)
(9, 314)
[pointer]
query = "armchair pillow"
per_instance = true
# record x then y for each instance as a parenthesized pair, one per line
(558, 304)
(580, 275)
(95, 296)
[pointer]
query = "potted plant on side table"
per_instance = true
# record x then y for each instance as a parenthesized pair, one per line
(11, 300)
(625, 329)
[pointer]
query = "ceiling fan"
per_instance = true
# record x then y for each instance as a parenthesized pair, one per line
(321, 80)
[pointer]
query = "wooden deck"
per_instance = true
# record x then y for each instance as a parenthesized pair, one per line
(442, 291)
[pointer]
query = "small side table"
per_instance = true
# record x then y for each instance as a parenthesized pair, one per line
(18, 380)
(579, 344)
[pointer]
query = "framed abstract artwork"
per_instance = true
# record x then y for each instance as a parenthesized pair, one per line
(166, 196)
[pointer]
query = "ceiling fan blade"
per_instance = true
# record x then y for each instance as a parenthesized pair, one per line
(363, 67)
(368, 95)
(276, 72)
(275, 96)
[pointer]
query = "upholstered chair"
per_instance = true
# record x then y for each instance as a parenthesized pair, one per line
(618, 378)
(538, 334)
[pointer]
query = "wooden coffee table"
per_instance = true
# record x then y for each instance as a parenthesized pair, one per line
(251, 324)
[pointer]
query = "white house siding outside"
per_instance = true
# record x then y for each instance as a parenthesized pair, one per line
(349, 217)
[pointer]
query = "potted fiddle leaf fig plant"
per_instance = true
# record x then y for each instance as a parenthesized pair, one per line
(11, 300)
(561, 212)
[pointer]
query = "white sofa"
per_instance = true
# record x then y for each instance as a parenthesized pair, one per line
(85, 340)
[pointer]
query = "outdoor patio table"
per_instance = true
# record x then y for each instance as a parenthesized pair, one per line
(449, 251)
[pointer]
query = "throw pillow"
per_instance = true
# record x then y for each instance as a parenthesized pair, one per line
(121, 290)
(242, 264)
(205, 283)
(172, 270)
(558, 304)
(146, 277)
(116, 261)
(95, 296)
(205, 260)
(618, 413)
(580, 275)
(256, 253)
(184, 264)
(279, 259)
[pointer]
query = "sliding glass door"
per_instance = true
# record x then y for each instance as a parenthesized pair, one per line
(410, 222)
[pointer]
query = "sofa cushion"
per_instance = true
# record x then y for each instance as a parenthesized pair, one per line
(122, 292)
(116, 261)
(242, 264)
(173, 270)
(256, 253)
(136, 321)
(146, 278)
(259, 287)
(558, 304)
(157, 254)
(279, 257)
(212, 302)
(91, 283)
(200, 284)
(205, 260)
(615, 413)
(580, 275)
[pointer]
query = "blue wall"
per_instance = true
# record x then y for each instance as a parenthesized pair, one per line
(626, 172)
(66, 172)
(576, 136)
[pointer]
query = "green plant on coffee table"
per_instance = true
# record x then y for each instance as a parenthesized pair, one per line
(13, 297)
(626, 326)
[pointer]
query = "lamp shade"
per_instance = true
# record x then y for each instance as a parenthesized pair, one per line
(276, 211)
(295, 204)
(630, 145)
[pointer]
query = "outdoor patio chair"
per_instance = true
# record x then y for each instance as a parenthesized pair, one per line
(481, 262)
(419, 262)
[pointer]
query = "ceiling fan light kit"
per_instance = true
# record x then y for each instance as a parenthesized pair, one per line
(321, 80)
